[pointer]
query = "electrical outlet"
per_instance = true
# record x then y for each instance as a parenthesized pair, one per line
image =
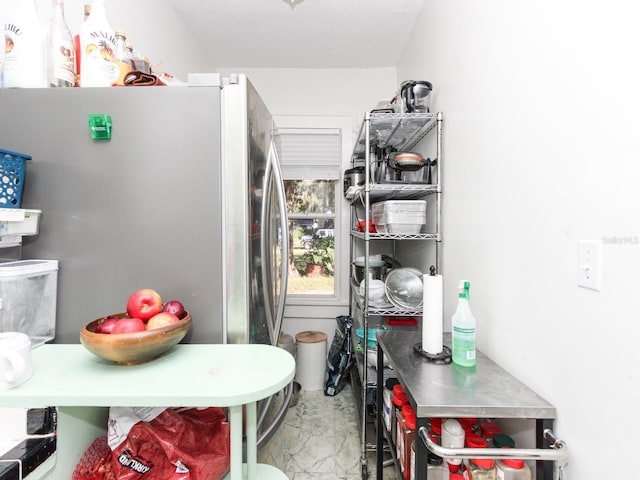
(590, 265)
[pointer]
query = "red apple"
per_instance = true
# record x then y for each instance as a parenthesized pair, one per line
(128, 325)
(107, 325)
(175, 307)
(162, 319)
(144, 304)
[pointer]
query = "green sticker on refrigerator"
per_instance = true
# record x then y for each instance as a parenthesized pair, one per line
(100, 126)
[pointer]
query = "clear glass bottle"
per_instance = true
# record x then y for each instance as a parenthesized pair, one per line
(24, 60)
(121, 52)
(61, 55)
(122, 56)
(76, 44)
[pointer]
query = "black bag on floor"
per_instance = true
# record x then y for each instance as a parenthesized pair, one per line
(339, 357)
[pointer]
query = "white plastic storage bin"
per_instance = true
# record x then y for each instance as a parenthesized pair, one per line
(399, 216)
(17, 221)
(400, 206)
(28, 295)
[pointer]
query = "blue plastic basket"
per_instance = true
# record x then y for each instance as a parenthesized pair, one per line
(12, 171)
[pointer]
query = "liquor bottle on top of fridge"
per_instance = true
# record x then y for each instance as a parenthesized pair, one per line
(61, 56)
(121, 56)
(463, 330)
(140, 62)
(24, 60)
(97, 43)
(76, 44)
(1, 61)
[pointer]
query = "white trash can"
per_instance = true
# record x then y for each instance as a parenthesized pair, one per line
(311, 359)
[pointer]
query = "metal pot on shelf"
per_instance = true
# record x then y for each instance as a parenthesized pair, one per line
(353, 177)
(377, 269)
(405, 167)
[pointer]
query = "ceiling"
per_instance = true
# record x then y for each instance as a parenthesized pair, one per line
(313, 34)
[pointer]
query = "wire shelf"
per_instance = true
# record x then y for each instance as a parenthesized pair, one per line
(401, 131)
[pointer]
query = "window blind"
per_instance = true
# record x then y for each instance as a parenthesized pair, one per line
(310, 154)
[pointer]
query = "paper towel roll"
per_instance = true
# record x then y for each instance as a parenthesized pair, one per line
(432, 314)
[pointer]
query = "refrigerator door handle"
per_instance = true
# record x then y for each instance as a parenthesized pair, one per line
(265, 220)
(284, 228)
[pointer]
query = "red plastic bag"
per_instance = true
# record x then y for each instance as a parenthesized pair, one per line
(95, 463)
(168, 444)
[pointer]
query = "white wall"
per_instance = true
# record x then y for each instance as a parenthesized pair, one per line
(152, 26)
(325, 93)
(334, 92)
(541, 150)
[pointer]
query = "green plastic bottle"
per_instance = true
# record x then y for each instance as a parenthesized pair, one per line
(463, 329)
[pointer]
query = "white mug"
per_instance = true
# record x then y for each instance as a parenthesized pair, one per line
(15, 359)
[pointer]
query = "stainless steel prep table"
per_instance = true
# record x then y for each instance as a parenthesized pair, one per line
(486, 391)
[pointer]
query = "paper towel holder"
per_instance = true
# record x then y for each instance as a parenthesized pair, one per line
(442, 358)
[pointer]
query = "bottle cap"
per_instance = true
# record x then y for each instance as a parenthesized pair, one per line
(485, 463)
(400, 399)
(407, 409)
(501, 440)
(467, 423)
(410, 420)
(475, 441)
(397, 388)
(456, 476)
(489, 429)
(463, 289)
(453, 468)
(516, 463)
(453, 427)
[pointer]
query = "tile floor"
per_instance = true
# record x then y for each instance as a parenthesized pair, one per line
(320, 440)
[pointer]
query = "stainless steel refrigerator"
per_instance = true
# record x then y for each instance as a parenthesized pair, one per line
(186, 197)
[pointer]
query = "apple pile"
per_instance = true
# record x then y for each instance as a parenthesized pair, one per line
(145, 311)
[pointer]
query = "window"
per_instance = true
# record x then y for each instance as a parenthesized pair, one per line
(321, 162)
(311, 206)
(311, 164)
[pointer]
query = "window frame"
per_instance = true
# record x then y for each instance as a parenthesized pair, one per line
(296, 303)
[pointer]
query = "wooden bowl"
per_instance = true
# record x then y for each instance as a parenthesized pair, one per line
(132, 348)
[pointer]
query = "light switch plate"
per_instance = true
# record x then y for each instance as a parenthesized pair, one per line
(590, 265)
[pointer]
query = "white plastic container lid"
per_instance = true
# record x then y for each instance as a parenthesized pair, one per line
(27, 267)
(400, 206)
